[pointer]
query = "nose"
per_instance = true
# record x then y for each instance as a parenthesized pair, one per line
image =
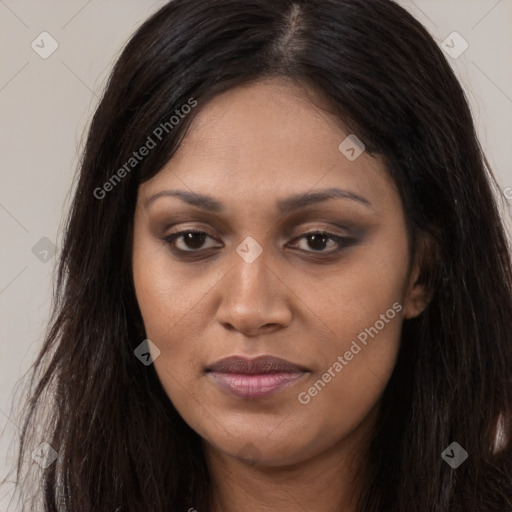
(255, 299)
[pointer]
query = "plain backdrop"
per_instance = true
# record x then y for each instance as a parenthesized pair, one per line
(46, 104)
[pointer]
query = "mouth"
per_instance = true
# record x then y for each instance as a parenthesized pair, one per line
(255, 378)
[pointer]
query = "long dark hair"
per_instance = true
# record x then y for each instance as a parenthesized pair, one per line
(121, 445)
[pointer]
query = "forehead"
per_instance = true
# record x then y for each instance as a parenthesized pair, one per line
(266, 140)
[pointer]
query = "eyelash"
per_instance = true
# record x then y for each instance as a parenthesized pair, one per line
(343, 242)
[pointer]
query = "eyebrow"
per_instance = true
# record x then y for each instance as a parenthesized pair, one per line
(292, 203)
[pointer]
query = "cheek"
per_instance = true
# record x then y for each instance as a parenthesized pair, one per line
(356, 367)
(174, 307)
(361, 311)
(168, 294)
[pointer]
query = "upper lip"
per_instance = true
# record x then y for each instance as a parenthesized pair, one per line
(258, 365)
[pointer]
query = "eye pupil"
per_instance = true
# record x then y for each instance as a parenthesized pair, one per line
(194, 240)
(319, 240)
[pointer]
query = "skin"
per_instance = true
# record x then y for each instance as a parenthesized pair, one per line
(299, 300)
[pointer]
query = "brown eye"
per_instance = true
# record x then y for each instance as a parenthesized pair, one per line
(318, 241)
(188, 241)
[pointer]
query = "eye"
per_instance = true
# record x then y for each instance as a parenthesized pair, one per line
(190, 240)
(193, 241)
(320, 240)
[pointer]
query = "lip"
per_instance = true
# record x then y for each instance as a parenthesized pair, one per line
(255, 378)
(255, 366)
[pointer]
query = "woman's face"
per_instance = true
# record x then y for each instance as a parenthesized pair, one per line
(253, 284)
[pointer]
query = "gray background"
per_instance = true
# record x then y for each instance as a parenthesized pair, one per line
(45, 106)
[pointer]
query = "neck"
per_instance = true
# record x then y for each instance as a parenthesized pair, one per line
(327, 482)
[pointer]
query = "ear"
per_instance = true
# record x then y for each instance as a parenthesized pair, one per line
(420, 291)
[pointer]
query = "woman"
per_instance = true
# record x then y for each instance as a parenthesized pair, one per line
(285, 283)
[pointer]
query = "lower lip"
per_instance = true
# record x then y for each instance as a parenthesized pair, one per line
(255, 386)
